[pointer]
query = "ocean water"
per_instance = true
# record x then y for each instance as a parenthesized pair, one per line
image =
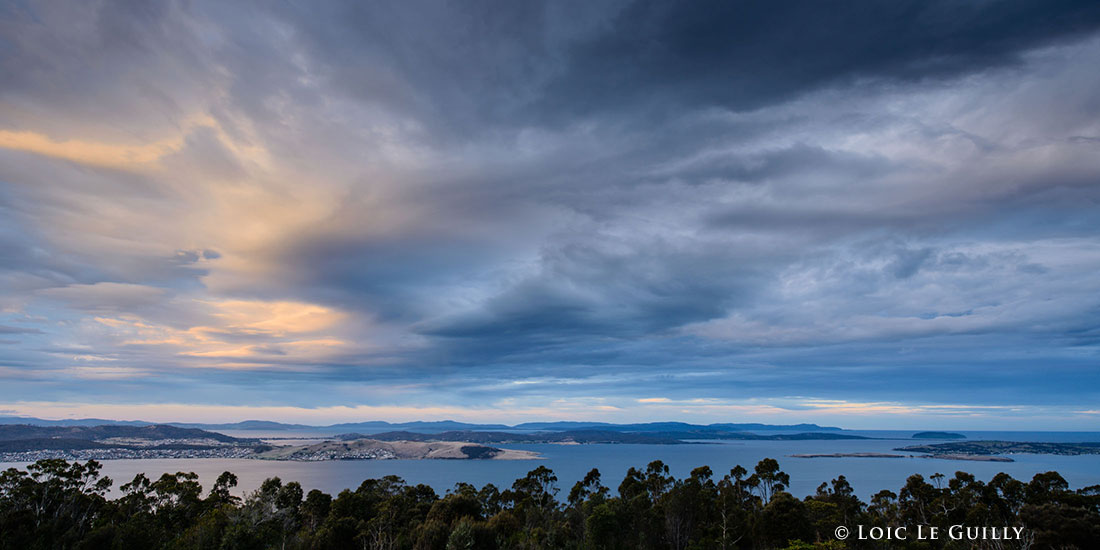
(571, 462)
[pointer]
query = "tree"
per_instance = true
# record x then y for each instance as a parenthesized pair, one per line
(735, 500)
(784, 519)
(769, 479)
(219, 493)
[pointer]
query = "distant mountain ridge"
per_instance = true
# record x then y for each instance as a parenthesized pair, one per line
(31, 421)
(429, 427)
(20, 438)
(649, 427)
(575, 436)
(592, 436)
(15, 432)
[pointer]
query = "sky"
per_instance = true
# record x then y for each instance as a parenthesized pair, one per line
(868, 215)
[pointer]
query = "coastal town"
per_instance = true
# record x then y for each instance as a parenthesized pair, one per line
(224, 451)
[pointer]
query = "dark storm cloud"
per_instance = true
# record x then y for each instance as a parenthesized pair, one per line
(586, 292)
(484, 62)
(745, 55)
(488, 65)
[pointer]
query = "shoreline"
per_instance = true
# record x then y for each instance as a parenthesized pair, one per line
(972, 458)
(328, 450)
(372, 449)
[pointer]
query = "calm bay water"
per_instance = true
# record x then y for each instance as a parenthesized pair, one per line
(571, 462)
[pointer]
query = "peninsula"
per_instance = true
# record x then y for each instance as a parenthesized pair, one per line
(372, 449)
(25, 443)
(976, 458)
(986, 448)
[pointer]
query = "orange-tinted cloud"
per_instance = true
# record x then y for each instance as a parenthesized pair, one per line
(113, 155)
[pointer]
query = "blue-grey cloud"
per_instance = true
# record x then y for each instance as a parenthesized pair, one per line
(800, 207)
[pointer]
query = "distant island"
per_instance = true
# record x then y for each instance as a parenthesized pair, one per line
(847, 455)
(976, 458)
(938, 435)
(987, 448)
(983, 451)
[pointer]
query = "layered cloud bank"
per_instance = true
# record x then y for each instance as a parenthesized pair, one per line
(867, 215)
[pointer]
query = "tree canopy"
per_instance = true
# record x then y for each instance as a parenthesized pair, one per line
(56, 504)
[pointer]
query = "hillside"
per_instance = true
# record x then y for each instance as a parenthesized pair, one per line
(12, 432)
(365, 449)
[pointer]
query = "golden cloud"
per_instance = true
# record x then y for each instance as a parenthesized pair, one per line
(112, 155)
(259, 333)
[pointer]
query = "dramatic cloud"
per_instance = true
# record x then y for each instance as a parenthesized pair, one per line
(872, 215)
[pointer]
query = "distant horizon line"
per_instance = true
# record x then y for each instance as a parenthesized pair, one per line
(402, 422)
(484, 425)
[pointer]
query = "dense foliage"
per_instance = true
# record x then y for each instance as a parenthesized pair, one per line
(58, 505)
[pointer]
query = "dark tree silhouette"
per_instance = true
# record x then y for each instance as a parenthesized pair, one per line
(55, 504)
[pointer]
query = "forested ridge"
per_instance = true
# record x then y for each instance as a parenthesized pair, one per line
(55, 504)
